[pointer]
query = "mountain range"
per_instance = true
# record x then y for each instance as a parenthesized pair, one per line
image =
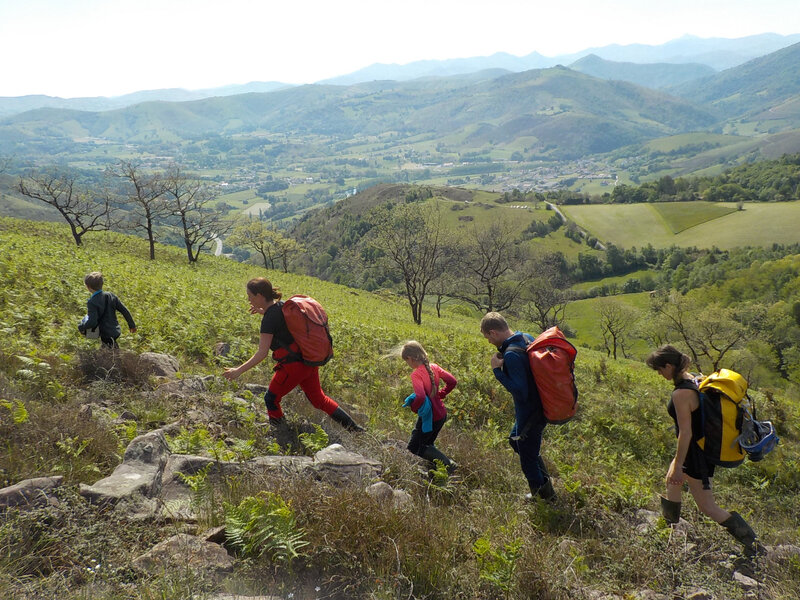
(705, 55)
(553, 113)
(570, 113)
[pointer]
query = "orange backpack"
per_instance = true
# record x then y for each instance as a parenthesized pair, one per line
(308, 324)
(552, 361)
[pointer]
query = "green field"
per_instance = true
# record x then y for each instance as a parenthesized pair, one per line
(582, 318)
(631, 225)
(617, 279)
(680, 216)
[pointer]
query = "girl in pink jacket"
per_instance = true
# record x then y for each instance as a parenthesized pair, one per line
(426, 402)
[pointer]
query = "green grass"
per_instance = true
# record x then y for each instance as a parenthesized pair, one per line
(581, 315)
(680, 216)
(759, 224)
(617, 279)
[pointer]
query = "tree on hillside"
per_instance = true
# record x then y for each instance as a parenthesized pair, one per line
(146, 193)
(188, 201)
(616, 322)
(82, 210)
(411, 238)
(709, 332)
(285, 248)
(257, 235)
(274, 247)
(545, 292)
(488, 280)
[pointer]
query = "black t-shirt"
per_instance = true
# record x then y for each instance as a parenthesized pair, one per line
(274, 323)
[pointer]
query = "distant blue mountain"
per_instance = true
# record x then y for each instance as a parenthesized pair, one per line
(14, 105)
(654, 75)
(717, 53)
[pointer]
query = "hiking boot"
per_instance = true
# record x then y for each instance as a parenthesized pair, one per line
(545, 492)
(432, 453)
(671, 511)
(346, 421)
(744, 534)
(276, 422)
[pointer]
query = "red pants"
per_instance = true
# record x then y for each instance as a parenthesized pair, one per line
(287, 377)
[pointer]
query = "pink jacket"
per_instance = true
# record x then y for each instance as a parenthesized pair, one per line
(422, 387)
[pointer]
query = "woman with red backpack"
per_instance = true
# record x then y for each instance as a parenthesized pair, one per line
(290, 369)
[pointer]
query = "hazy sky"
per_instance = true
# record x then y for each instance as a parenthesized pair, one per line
(74, 48)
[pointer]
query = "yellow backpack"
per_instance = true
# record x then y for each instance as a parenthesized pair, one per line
(723, 412)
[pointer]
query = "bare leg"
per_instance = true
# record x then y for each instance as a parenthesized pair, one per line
(705, 501)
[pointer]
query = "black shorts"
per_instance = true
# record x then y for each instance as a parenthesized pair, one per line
(697, 466)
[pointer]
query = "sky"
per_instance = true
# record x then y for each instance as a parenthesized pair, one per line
(74, 48)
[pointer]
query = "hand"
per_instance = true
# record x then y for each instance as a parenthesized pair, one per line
(675, 475)
(231, 374)
(133, 329)
(497, 360)
(254, 310)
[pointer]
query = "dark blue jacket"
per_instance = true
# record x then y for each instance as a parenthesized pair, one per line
(102, 309)
(516, 377)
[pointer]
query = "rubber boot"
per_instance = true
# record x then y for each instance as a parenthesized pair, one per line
(671, 511)
(544, 491)
(744, 534)
(432, 453)
(346, 421)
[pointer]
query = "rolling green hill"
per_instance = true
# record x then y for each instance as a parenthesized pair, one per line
(655, 75)
(558, 107)
(748, 90)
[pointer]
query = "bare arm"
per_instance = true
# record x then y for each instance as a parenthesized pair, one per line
(264, 342)
(684, 401)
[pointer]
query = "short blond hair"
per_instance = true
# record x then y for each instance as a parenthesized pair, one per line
(493, 321)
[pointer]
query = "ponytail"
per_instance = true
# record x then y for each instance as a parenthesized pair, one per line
(669, 355)
(261, 285)
(413, 349)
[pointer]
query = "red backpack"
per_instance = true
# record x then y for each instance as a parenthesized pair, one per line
(552, 360)
(308, 324)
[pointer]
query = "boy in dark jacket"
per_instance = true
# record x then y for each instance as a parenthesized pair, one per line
(101, 312)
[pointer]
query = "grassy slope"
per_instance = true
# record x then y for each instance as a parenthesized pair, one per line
(628, 225)
(608, 462)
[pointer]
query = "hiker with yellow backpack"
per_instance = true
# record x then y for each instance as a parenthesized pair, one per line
(698, 452)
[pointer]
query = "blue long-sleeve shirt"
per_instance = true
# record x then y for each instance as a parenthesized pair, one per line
(516, 377)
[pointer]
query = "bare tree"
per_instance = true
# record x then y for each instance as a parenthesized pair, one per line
(188, 201)
(545, 291)
(80, 209)
(145, 192)
(490, 257)
(616, 321)
(411, 238)
(709, 332)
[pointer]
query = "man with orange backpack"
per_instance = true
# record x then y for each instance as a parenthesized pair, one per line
(512, 369)
(298, 356)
